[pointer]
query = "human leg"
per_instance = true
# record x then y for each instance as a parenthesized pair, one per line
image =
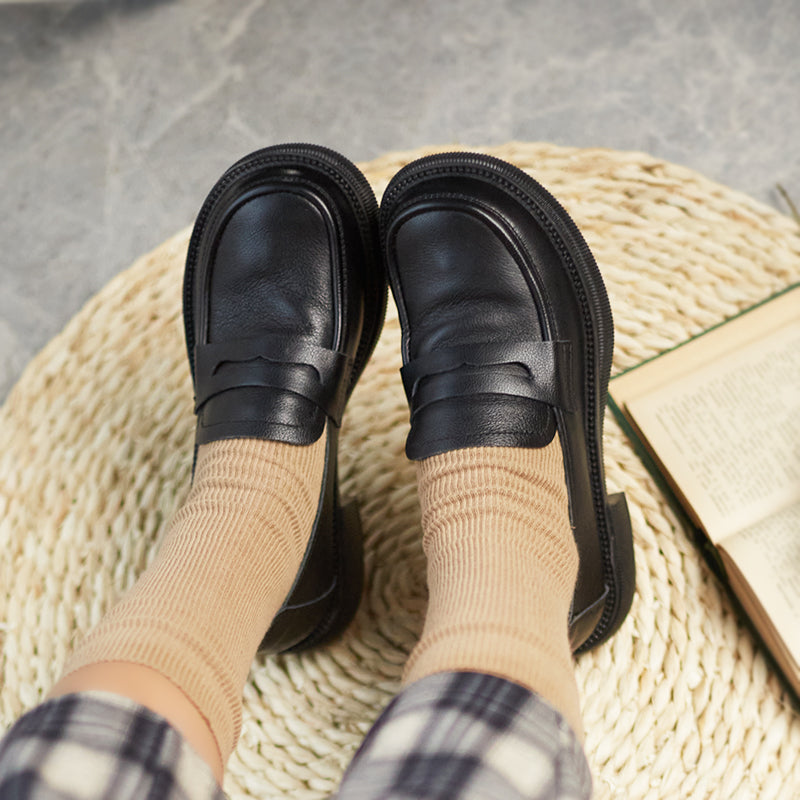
(182, 641)
(507, 341)
(284, 299)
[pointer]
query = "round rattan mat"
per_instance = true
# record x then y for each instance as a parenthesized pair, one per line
(95, 455)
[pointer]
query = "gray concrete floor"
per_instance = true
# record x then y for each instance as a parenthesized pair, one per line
(117, 117)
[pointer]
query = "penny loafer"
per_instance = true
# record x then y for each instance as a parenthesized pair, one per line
(284, 298)
(507, 337)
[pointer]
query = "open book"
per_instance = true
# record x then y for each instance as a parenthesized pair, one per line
(719, 421)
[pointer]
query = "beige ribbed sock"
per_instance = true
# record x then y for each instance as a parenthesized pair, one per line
(227, 563)
(502, 566)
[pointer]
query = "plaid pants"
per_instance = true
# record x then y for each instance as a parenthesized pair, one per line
(454, 736)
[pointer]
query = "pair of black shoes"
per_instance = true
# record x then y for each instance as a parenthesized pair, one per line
(507, 338)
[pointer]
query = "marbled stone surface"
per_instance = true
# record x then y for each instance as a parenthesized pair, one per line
(117, 117)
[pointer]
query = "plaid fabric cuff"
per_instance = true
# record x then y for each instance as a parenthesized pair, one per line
(467, 736)
(97, 745)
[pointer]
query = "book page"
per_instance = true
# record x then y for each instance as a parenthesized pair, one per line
(728, 434)
(695, 354)
(767, 555)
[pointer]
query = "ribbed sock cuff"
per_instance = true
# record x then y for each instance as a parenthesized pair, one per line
(502, 566)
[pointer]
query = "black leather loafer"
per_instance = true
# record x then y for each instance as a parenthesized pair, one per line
(508, 337)
(284, 298)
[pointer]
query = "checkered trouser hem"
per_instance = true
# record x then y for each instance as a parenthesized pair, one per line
(468, 736)
(459, 736)
(97, 745)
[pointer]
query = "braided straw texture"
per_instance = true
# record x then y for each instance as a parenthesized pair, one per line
(95, 455)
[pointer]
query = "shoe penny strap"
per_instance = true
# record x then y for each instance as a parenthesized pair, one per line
(547, 374)
(289, 363)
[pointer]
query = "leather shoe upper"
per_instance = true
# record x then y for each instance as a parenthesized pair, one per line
(481, 367)
(275, 306)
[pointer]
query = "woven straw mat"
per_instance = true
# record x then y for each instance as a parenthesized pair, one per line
(95, 455)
